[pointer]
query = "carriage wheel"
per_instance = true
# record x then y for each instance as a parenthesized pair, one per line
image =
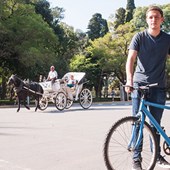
(43, 103)
(85, 98)
(60, 101)
(69, 103)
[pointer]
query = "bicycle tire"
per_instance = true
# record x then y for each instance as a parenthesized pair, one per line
(116, 153)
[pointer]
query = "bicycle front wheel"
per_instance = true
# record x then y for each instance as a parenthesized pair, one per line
(117, 154)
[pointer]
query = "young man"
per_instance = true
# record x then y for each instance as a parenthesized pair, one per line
(151, 48)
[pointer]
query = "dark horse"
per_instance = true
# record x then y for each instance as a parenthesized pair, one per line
(23, 90)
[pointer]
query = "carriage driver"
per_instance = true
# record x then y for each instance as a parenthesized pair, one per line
(52, 75)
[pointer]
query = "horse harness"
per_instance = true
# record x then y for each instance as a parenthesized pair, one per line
(22, 86)
(26, 88)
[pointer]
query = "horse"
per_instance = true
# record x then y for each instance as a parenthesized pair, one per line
(23, 90)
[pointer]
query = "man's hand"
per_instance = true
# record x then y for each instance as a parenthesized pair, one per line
(128, 88)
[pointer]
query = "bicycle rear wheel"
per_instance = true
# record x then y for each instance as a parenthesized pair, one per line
(117, 156)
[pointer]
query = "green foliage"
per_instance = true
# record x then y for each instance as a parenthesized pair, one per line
(68, 46)
(97, 27)
(119, 17)
(27, 47)
(85, 64)
(43, 7)
(105, 56)
(122, 15)
(129, 15)
(139, 17)
(129, 10)
(121, 40)
(166, 23)
(130, 5)
(58, 14)
(32, 37)
(81, 63)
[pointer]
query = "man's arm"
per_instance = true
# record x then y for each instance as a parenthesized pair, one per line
(56, 75)
(130, 69)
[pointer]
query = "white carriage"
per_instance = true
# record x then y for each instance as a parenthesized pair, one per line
(59, 93)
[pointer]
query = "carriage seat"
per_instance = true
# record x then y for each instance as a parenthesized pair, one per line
(50, 87)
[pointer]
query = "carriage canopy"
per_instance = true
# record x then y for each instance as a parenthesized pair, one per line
(77, 75)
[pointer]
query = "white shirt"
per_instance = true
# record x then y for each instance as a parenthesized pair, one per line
(52, 74)
(72, 81)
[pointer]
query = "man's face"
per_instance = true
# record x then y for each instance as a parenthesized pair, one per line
(154, 19)
(52, 68)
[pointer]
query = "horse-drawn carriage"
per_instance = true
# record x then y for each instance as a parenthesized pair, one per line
(59, 93)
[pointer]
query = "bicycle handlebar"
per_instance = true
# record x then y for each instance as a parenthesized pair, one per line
(142, 87)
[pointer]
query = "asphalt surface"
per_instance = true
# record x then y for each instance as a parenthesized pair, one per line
(59, 140)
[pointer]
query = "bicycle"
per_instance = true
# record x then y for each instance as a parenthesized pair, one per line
(130, 132)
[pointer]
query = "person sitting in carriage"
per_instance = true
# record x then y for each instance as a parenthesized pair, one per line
(71, 82)
(70, 88)
(52, 75)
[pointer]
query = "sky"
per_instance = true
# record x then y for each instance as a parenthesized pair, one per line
(79, 12)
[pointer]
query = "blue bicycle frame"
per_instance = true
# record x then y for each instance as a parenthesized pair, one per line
(142, 112)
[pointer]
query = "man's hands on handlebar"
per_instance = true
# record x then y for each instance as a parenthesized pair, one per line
(128, 88)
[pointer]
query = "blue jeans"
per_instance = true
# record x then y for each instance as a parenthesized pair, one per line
(156, 95)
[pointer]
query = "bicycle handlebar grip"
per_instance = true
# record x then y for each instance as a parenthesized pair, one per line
(154, 84)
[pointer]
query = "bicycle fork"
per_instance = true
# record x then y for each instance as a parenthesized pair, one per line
(137, 133)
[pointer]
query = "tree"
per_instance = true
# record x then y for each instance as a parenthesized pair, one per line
(70, 42)
(24, 49)
(107, 56)
(119, 17)
(120, 43)
(122, 15)
(166, 23)
(30, 47)
(69, 45)
(58, 15)
(129, 10)
(130, 5)
(97, 27)
(43, 7)
(93, 71)
(139, 18)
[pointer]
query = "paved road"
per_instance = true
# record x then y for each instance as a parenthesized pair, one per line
(58, 140)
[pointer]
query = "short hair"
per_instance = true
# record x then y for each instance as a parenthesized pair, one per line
(155, 8)
(52, 67)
